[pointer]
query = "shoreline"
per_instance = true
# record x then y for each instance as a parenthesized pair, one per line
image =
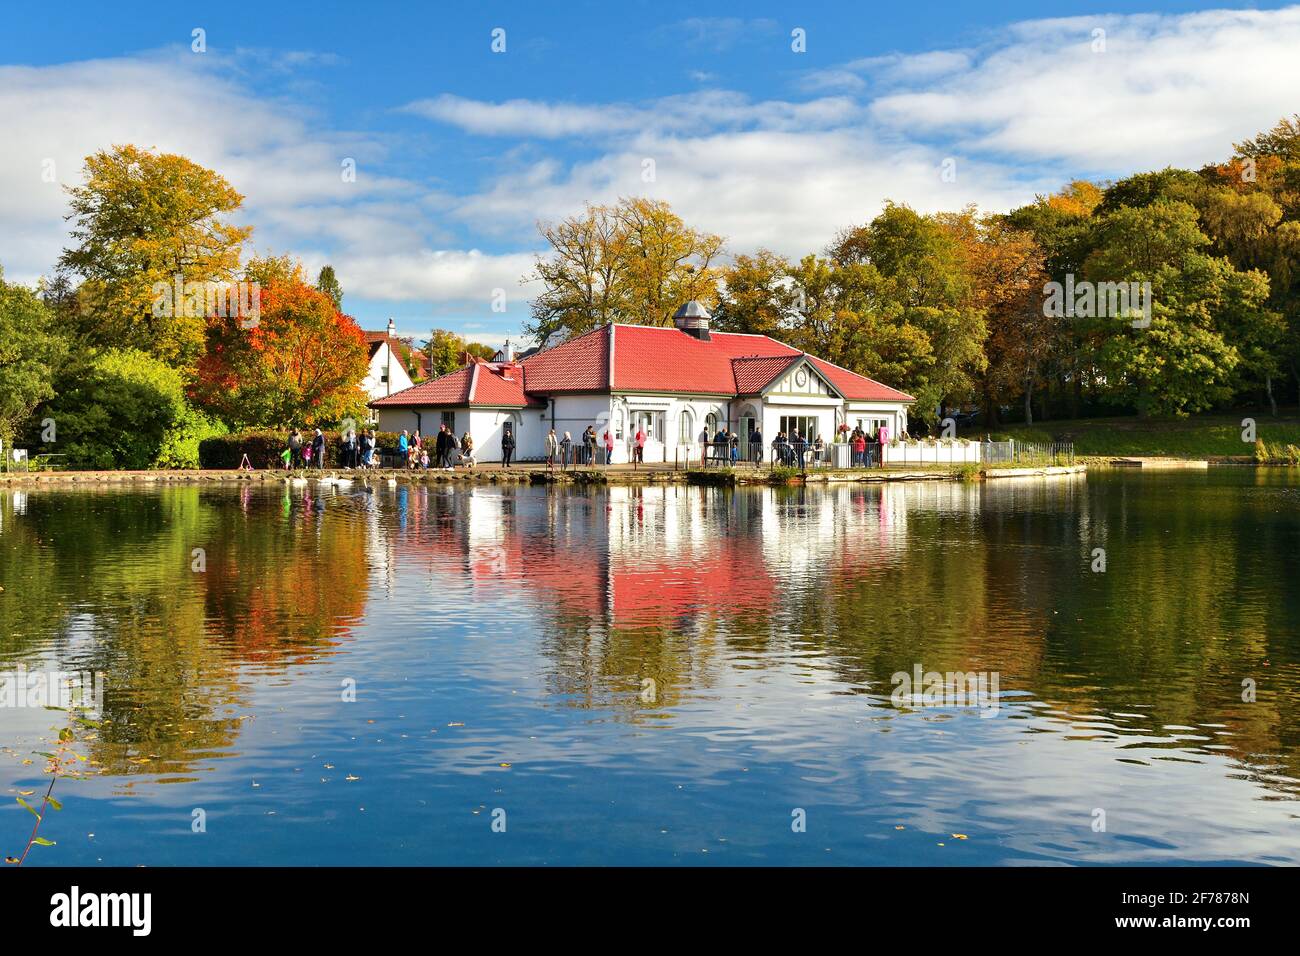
(619, 475)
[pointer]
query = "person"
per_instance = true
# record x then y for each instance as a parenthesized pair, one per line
(859, 448)
(467, 449)
(720, 444)
(589, 445)
(424, 459)
(403, 447)
(609, 445)
(552, 448)
(349, 449)
(756, 444)
(440, 446)
(638, 448)
(306, 456)
(507, 446)
(286, 456)
(566, 449)
(318, 448)
(734, 439)
(295, 447)
(368, 449)
(819, 448)
(798, 445)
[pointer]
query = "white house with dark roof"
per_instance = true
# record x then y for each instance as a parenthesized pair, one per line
(678, 384)
(387, 373)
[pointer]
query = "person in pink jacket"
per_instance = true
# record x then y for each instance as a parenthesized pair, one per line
(609, 445)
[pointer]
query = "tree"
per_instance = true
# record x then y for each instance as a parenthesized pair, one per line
(127, 409)
(1007, 270)
(633, 262)
(1210, 332)
(928, 287)
(144, 221)
(443, 349)
(329, 284)
(302, 363)
(29, 353)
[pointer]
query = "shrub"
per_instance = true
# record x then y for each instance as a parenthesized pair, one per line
(784, 474)
(263, 448)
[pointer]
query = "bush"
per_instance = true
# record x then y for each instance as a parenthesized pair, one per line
(126, 409)
(263, 448)
(784, 474)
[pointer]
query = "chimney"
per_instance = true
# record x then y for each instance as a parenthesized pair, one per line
(693, 319)
(392, 328)
(508, 353)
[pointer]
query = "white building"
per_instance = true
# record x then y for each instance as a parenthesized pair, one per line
(678, 385)
(387, 373)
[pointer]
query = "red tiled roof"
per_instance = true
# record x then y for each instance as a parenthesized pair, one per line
(755, 374)
(857, 387)
(578, 365)
(644, 359)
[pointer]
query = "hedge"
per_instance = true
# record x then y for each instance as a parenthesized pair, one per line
(263, 448)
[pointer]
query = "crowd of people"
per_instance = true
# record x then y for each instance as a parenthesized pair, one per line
(309, 450)
(448, 450)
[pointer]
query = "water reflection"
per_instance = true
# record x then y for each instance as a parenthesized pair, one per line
(748, 629)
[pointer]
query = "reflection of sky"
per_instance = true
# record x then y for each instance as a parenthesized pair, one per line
(454, 665)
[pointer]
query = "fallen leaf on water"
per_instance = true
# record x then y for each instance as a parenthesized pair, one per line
(959, 836)
(505, 765)
(350, 777)
(900, 828)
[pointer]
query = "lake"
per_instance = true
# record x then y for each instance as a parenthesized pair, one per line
(663, 675)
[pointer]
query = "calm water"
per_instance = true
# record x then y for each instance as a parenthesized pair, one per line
(664, 676)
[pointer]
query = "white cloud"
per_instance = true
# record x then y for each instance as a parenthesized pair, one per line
(1167, 90)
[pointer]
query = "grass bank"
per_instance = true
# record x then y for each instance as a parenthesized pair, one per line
(1200, 436)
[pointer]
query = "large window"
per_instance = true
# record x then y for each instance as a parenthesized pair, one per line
(872, 426)
(449, 419)
(805, 425)
(685, 428)
(652, 423)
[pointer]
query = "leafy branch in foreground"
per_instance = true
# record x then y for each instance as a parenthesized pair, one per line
(62, 762)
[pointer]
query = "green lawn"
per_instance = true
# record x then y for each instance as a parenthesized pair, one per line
(1199, 436)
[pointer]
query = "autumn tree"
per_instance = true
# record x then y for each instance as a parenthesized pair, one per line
(633, 262)
(300, 362)
(142, 222)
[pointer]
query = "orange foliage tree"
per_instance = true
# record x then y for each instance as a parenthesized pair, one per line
(298, 360)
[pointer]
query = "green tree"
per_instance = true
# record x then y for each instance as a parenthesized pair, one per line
(29, 352)
(127, 409)
(328, 283)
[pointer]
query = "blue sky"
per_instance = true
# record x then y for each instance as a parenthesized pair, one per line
(459, 150)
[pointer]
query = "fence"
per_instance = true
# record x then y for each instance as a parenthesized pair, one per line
(1027, 453)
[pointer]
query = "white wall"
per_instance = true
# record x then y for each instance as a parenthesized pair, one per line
(923, 453)
(374, 386)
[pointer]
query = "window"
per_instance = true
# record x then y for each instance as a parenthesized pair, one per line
(711, 425)
(805, 425)
(652, 423)
(449, 419)
(685, 428)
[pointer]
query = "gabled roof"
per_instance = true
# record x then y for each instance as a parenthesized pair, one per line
(490, 384)
(637, 358)
(753, 375)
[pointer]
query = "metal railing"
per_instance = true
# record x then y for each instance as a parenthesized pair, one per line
(1027, 453)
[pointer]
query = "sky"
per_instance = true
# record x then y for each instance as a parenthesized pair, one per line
(774, 125)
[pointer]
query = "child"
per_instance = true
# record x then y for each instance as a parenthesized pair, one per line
(424, 458)
(285, 456)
